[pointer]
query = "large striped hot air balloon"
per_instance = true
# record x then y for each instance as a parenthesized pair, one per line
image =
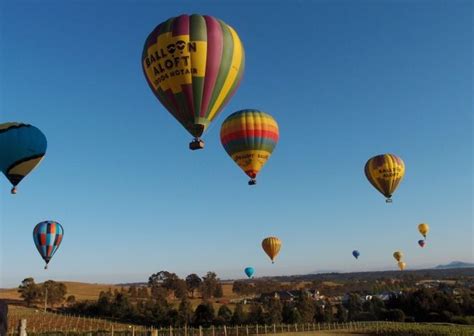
(22, 147)
(249, 137)
(385, 172)
(193, 64)
(271, 246)
(47, 236)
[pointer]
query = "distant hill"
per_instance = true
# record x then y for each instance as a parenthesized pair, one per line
(455, 264)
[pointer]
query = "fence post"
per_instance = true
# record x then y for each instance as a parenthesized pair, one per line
(133, 330)
(154, 332)
(22, 328)
(265, 326)
(296, 327)
(225, 331)
(213, 331)
(257, 329)
(236, 330)
(274, 328)
(247, 330)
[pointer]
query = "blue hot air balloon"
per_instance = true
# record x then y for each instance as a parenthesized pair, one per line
(249, 271)
(22, 147)
(47, 236)
(356, 254)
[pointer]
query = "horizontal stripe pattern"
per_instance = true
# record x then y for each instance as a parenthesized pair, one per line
(249, 137)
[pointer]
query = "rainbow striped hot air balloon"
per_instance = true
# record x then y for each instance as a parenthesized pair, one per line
(385, 172)
(22, 147)
(193, 64)
(47, 236)
(249, 137)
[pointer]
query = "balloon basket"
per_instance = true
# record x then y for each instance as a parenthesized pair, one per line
(388, 200)
(252, 182)
(13, 191)
(196, 144)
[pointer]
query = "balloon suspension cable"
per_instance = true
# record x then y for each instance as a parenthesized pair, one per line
(252, 181)
(13, 191)
(197, 143)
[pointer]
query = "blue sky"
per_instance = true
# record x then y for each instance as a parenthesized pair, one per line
(345, 80)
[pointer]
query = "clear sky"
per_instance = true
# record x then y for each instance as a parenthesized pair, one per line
(345, 80)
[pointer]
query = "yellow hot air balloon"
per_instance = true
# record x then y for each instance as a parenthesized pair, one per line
(271, 246)
(423, 228)
(385, 172)
(398, 255)
(402, 265)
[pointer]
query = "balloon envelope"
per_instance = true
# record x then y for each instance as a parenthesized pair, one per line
(193, 64)
(249, 271)
(398, 255)
(402, 265)
(385, 172)
(47, 236)
(22, 147)
(271, 246)
(423, 229)
(356, 254)
(249, 137)
(421, 242)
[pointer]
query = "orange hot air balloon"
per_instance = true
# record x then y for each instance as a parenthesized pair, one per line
(402, 265)
(398, 255)
(271, 246)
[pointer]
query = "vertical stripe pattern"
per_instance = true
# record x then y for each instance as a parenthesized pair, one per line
(249, 137)
(47, 236)
(385, 172)
(193, 64)
(271, 246)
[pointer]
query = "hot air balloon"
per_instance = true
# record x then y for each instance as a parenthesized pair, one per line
(22, 147)
(356, 254)
(423, 228)
(47, 236)
(398, 255)
(421, 242)
(385, 172)
(249, 137)
(271, 246)
(193, 64)
(249, 271)
(402, 265)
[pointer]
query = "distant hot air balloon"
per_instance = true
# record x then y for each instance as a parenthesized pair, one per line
(193, 64)
(47, 236)
(402, 265)
(249, 271)
(271, 246)
(22, 147)
(249, 137)
(356, 254)
(423, 228)
(398, 255)
(385, 172)
(421, 242)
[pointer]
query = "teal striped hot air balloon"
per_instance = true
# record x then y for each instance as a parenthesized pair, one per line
(193, 64)
(22, 147)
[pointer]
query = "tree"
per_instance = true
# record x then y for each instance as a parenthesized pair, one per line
(306, 308)
(193, 283)
(29, 291)
(239, 315)
(224, 315)
(290, 314)
(274, 310)
(56, 291)
(180, 289)
(209, 284)
(218, 292)
(70, 300)
(242, 288)
(160, 283)
(185, 312)
(353, 305)
(341, 314)
(204, 315)
(256, 314)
